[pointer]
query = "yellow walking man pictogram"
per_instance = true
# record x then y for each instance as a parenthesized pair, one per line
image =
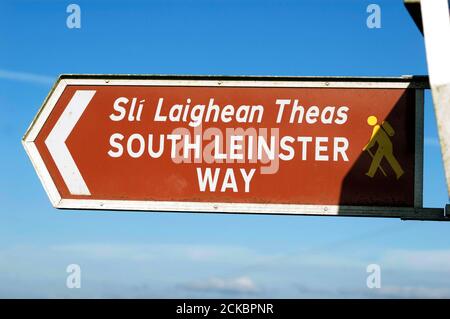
(381, 135)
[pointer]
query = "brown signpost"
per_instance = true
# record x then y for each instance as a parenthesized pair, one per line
(292, 145)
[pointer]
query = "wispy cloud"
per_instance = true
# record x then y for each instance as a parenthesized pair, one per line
(391, 292)
(412, 292)
(149, 252)
(239, 285)
(418, 260)
(26, 77)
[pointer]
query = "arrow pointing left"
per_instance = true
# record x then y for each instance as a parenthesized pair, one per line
(56, 142)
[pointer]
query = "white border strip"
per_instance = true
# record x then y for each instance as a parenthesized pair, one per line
(42, 172)
(250, 208)
(248, 83)
(45, 111)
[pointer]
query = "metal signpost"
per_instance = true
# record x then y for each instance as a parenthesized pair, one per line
(340, 146)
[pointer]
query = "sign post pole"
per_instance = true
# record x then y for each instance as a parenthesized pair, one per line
(432, 17)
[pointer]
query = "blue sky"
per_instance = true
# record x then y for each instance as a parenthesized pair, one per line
(205, 255)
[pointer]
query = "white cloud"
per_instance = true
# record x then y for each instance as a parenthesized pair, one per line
(239, 285)
(26, 77)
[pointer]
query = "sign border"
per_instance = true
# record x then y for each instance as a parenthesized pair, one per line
(418, 83)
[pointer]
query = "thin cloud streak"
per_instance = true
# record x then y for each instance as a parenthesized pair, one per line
(239, 285)
(26, 77)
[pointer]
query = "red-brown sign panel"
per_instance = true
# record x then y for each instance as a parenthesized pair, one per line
(272, 145)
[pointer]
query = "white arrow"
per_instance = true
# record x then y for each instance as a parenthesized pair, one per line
(56, 142)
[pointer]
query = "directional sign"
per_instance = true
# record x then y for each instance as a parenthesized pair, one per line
(326, 146)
